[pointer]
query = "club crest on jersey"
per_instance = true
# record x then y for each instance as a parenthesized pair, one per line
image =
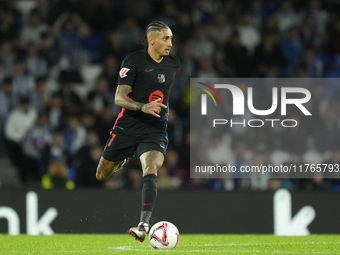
(123, 72)
(161, 78)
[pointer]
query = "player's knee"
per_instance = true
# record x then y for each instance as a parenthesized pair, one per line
(100, 175)
(151, 169)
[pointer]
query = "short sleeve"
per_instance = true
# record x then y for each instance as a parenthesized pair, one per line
(127, 72)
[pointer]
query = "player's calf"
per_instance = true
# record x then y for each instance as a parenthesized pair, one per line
(151, 161)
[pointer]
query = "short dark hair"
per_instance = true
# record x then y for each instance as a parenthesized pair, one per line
(8, 80)
(24, 99)
(155, 25)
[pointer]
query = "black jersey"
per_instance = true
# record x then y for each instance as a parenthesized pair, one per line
(149, 81)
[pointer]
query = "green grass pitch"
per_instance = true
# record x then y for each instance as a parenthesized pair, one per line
(188, 244)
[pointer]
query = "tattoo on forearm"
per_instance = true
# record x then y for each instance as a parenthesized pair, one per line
(146, 107)
(124, 89)
(122, 98)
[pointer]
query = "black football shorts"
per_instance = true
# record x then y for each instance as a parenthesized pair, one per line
(120, 146)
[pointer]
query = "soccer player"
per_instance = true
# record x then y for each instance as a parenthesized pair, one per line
(143, 91)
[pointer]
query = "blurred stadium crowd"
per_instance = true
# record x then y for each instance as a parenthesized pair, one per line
(59, 61)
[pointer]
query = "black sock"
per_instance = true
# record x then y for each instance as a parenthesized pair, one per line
(149, 194)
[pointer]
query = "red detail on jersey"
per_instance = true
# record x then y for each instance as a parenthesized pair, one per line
(113, 136)
(129, 95)
(147, 203)
(123, 72)
(122, 111)
(155, 95)
(119, 116)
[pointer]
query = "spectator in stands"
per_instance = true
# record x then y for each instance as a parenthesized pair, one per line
(269, 58)
(221, 65)
(55, 111)
(134, 178)
(206, 69)
(47, 49)
(174, 168)
(104, 123)
(270, 26)
(249, 35)
(87, 167)
(320, 16)
(131, 34)
(8, 99)
(220, 29)
(35, 65)
(333, 45)
(7, 56)
(170, 15)
(74, 134)
(40, 96)
(91, 140)
(237, 55)
(20, 120)
(88, 120)
(31, 33)
(188, 63)
(258, 182)
(8, 25)
(202, 46)
(70, 99)
(185, 28)
(69, 30)
(294, 139)
(274, 184)
(7, 102)
(166, 182)
(110, 71)
(113, 46)
(292, 48)
(334, 160)
(23, 82)
(35, 148)
(101, 96)
(57, 149)
(314, 66)
(57, 177)
(286, 16)
(327, 134)
(309, 33)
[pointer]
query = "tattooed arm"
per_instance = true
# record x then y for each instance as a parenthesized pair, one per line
(124, 101)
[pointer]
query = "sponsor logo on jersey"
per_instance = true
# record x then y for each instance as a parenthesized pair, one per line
(162, 146)
(123, 72)
(161, 78)
(148, 70)
(155, 95)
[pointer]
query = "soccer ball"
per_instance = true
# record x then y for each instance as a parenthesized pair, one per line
(163, 235)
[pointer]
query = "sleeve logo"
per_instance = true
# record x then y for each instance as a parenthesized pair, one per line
(123, 72)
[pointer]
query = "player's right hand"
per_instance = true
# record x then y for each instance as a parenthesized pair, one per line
(154, 108)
